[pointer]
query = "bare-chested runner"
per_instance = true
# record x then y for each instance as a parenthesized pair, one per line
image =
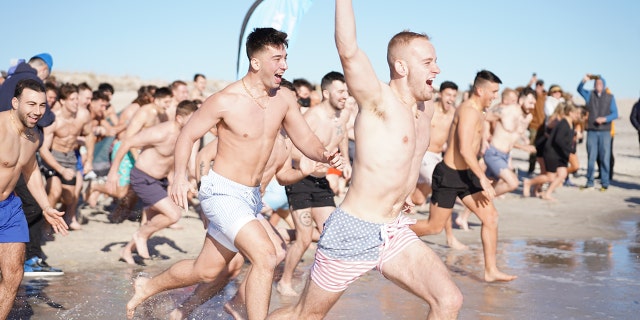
(149, 177)
(440, 124)
(58, 151)
(369, 230)
(19, 143)
(459, 175)
(278, 165)
(509, 123)
(248, 114)
(311, 199)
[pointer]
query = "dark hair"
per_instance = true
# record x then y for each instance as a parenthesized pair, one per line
(527, 91)
(177, 83)
(287, 84)
(448, 85)
(198, 75)
(145, 95)
(66, 90)
(261, 38)
(106, 87)
(99, 95)
(540, 82)
(32, 84)
(330, 78)
(84, 86)
(162, 92)
(484, 76)
(186, 107)
(301, 82)
(51, 86)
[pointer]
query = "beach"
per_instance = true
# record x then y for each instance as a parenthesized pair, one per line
(576, 258)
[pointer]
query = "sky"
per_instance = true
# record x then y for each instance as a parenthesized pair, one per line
(560, 41)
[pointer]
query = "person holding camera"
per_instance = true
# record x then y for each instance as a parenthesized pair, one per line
(602, 110)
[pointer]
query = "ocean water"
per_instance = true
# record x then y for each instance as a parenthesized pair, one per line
(558, 279)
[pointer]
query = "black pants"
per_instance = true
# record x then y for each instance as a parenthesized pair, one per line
(35, 219)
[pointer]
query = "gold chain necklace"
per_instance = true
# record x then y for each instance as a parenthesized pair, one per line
(27, 133)
(252, 97)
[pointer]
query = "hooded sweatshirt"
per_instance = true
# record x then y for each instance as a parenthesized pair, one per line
(602, 105)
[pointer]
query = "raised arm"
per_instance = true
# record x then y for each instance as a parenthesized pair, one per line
(361, 79)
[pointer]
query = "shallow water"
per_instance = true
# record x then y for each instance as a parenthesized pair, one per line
(558, 279)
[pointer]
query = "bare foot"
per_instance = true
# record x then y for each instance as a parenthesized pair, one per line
(286, 290)
(176, 314)
(74, 225)
(498, 276)
(126, 255)
(138, 295)
(176, 226)
(236, 312)
(546, 196)
(526, 188)
(463, 223)
(141, 246)
(456, 245)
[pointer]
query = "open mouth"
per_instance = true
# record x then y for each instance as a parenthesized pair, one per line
(278, 78)
(430, 82)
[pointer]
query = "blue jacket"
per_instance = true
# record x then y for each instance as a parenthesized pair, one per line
(586, 94)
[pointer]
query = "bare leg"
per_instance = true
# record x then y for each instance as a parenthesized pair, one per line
(463, 219)
(206, 291)
(11, 267)
(125, 253)
(452, 241)
(557, 181)
(526, 188)
(435, 223)
(488, 215)
(70, 200)
(420, 271)
(210, 263)
(255, 245)
(507, 182)
(304, 233)
(314, 303)
(236, 307)
(161, 215)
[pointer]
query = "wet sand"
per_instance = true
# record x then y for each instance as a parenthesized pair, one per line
(577, 258)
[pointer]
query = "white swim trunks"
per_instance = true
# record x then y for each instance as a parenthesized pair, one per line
(229, 206)
(429, 162)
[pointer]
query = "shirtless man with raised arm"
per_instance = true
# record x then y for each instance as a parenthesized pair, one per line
(459, 175)
(369, 230)
(248, 114)
(19, 143)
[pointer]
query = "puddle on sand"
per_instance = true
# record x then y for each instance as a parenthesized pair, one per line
(558, 279)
